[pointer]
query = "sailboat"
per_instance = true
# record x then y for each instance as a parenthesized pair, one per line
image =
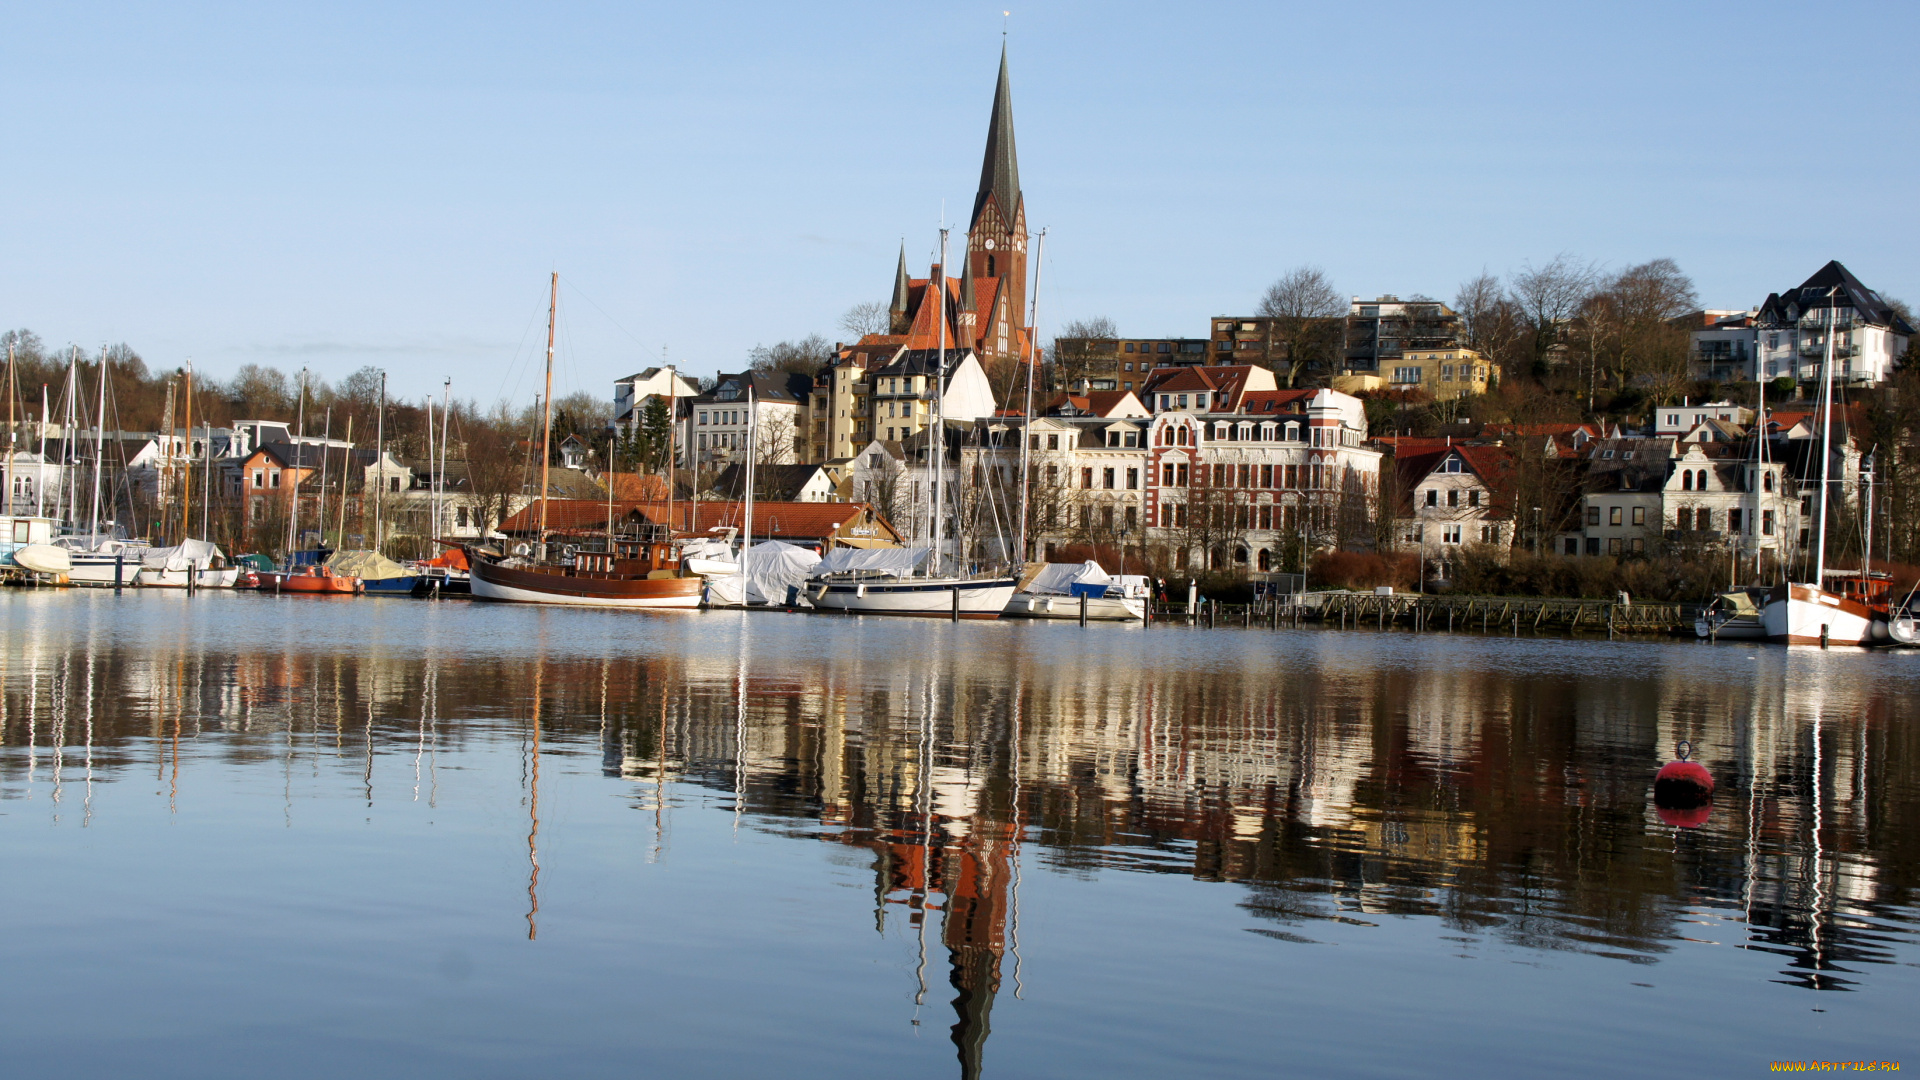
(1809, 613)
(638, 570)
(910, 581)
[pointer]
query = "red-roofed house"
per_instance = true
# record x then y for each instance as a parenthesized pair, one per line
(1454, 496)
(1205, 389)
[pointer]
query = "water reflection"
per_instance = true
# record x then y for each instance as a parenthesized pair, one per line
(1333, 779)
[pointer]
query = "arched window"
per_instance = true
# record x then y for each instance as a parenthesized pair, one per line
(1686, 480)
(1700, 480)
(1240, 555)
(1265, 562)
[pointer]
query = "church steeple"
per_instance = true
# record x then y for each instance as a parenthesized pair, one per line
(1000, 171)
(898, 317)
(997, 234)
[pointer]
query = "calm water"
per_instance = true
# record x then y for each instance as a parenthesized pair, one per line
(251, 836)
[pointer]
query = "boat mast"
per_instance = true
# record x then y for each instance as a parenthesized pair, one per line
(186, 487)
(753, 430)
(1826, 442)
(340, 530)
(1759, 466)
(446, 414)
(326, 441)
(380, 461)
(1026, 427)
(12, 434)
(40, 478)
(673, 449)
(99, 454)
(299, 460)
(206, 487)
(433, 491)
(937, 446)
(546, 431)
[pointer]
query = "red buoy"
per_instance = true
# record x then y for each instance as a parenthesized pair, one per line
(1683, 791)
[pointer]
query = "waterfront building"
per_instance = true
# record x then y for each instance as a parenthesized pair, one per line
(633, 394)
(715, 425)
(1101, 364)
(1234, 491)
(1206, 389)
(1453, 496)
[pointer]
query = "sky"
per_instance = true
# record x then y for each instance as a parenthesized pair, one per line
(338, 185)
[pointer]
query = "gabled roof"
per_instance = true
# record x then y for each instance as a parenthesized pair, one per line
(1262, 402)
(1832, 285)
(784, 482)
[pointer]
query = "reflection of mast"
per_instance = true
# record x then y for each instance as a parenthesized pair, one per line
(533, 812)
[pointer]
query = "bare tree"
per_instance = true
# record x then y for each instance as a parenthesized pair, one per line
(1548, 297)
(1077, 348)
(871, 317)
(805, 356)
(1302, 310)
(777, 439)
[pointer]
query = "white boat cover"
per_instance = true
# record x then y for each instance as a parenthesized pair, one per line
(193, 552)
(367, 566)
(898, 562)
(768, 570)
(716, 550)
(1058, 579)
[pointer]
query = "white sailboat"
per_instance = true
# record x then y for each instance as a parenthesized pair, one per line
(1058, 590)
(1809, 613)
(910, 581)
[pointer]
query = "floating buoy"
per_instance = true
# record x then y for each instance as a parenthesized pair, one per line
(1683, 790)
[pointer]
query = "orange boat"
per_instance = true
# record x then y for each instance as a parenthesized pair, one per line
(312, 579)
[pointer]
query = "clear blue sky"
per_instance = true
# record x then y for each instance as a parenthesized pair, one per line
(339, 185)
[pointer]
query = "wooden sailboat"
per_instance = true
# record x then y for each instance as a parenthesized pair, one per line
(1809, 613)
(638, 570)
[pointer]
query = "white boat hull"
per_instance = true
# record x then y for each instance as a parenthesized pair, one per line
(493, 590)
(1103, 608)
(150, 578)
(94, 569)
(1738, 628)
(933, 598)
(1805, 615)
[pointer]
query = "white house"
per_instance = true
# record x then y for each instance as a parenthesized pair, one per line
(1792, 328)
(630, 394)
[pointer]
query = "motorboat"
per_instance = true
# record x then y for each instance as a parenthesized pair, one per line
(310, 580)
(104, 561)
(885, 581)
(1732, 615)
(1057, 591)
(196, 561)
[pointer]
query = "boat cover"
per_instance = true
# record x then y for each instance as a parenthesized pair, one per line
(1058, 579)
(367, 566)
(192, 552)
(717, 550)
(898, 562)
(768, 570)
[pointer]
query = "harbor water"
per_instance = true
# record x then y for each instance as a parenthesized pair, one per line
(249, 835)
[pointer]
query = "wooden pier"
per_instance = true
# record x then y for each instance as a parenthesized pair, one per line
(1420, 612)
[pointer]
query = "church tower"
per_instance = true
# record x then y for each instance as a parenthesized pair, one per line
(997, 232)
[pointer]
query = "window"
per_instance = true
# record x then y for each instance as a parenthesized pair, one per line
(1183, 401)
(1406, 374)
(1613, 545)
(273, 478)
(1486, 536)
(1593, 515)
(1766, 481)
(1129, 346)
(1133, 479)
(1593, 545)
(1266, 476)
(703, 418)
(1132, 518)
(1127, 366)
(1086, 478)
(1734, 521)
(259, 478)
(1266, 518)
(1573, 546)
(1166, 475)
(1638, 545)
(1453, 497)
(393, 483)
(1766, 523)
(1180, 479)
(1703, 519)
(1450, 534)
(1639, 515)
(1053, 442)
(1164, 347)
(1132, 439)
(1433, 494)
(1613, 515)
(1452, 465)
(1086, 517)
(1166, 401)
(1473, 497)
(460, 517)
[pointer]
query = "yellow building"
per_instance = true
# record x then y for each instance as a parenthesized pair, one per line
(1444, 373)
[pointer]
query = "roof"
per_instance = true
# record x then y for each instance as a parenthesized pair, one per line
(1275, 401)
(780, 482)
(1832, 285)
(637, 487)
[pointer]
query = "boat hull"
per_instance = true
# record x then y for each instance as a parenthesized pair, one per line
(491, 581)
(1103, 608)
(90, 568)
(150, 578)
(979, 599)
(1806, 615)
(310, 584)
(1737, 628)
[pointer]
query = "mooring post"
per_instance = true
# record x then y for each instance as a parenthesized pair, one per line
(119, 570)
(1083, 609)
(1823, 635)
(956, 604)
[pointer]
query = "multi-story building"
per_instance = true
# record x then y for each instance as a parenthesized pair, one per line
(1791, 331)
(715, 426)
(1441, 374)
(1206, 389)
(1264, 341)
(1722, 343)
(1380, 332)
(631, 394)
(1675, 421)
(1454, 495)
(1081, 365)
(1232, 491)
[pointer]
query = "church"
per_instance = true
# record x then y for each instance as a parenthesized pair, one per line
(985, 317)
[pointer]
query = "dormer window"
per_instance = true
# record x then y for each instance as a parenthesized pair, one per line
(1452, 465)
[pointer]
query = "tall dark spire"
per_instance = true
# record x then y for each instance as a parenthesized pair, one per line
(900, 287)
(1000, 172)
